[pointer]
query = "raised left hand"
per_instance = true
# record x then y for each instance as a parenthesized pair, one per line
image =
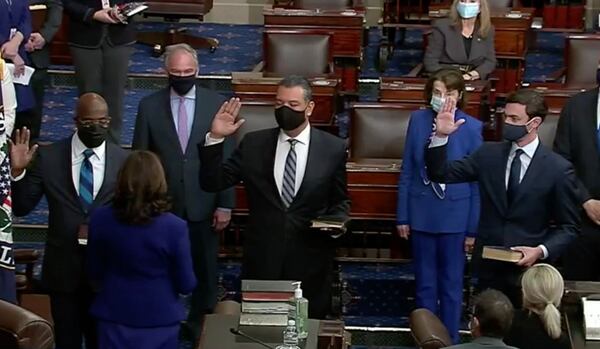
(221, 219)
(530, 255)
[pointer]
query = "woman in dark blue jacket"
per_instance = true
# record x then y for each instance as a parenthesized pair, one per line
(140, 261)
(441, 218)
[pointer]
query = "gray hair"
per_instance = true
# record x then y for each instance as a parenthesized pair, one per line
(172, 49)
(295, 81)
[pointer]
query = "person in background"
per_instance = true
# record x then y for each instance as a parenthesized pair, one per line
(538, 324)
(101, 44)
(465, 41)
(441, 219)
(139, 260)
(38, 47)
(490, 322)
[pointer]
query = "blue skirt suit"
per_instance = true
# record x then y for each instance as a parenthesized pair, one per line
(439, 217)
(140, 271)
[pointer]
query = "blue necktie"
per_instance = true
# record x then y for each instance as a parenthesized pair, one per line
(288, 186)
(514, 178)
(86, 180)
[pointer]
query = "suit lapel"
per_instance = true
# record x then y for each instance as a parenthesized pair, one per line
(535, 170)
(475, 46)
(499, 179)
(199, 119)
(166, 121)
(312, 165)
(592, 123)
(109, 173)
(269, 161)
(456, 46)
(68, 170)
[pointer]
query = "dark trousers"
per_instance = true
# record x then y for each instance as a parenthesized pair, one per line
(204, 243)
(581, 259)
(32, 118)
(104, 70)
(72, 320)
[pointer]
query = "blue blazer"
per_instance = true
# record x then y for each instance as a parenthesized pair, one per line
(17, 16)
(140, 269)
(418, 204)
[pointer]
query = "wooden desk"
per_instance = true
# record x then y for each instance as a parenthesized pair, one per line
(347, 29)
(573, 312)
(255, 87)
(411, 91)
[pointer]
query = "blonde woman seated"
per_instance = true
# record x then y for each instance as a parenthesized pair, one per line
(538, 324)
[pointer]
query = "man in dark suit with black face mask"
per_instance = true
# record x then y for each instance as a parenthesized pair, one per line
(76, 175)
(171, 123)
(292, 174)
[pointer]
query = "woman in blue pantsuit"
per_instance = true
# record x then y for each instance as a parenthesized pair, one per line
(139, 259)
(440, 218)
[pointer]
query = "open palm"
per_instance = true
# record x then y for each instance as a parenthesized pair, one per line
(225, 122)
(20, 151)
(444, 122)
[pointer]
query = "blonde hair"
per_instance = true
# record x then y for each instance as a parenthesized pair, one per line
(543, 288)
(483, 23)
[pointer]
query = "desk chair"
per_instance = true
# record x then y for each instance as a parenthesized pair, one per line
(22, 329)
(258, 116)
(173, 11)
(427, 330)
(547, 130)
(581, 63)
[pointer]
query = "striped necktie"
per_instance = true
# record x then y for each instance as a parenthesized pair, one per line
(86, 180)
(288, 186)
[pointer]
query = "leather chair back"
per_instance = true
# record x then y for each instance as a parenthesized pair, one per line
(547, 130)
(22, 329)
(581, 59)
(378, 131)
(297, 53)
(428, 331)
(258, 116)
(323, 4)
(500, 3)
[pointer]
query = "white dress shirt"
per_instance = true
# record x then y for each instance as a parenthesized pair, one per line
(598, 113)
(281, 153)
(98, 161)
(528, 152)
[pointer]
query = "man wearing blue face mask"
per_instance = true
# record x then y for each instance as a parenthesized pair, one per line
(524, 187)
(441, 219)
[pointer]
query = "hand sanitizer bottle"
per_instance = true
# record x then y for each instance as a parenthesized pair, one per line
(299, 311)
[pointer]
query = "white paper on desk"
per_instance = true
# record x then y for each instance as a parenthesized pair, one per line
(23, 79)
(591, 317)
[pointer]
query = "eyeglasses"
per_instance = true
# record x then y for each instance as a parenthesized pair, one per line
(104, 122)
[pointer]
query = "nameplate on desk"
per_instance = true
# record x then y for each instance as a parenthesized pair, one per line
(37, 7)
(591, 317)
(515, 15)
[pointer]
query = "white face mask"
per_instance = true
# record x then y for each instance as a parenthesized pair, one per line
(467, 9)
(437, 102)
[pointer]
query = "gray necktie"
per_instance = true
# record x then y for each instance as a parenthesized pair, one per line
(289, 175)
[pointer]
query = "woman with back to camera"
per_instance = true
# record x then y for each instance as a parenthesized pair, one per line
(441, 219)
(538, 324)
(464, 40)
(139, 259)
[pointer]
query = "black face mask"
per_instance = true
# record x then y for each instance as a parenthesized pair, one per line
(92, 136)
(513, 133)
(182, 84)
(288, 118)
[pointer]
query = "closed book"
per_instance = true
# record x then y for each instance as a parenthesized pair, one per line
(266, 296)
(501, 253)
(330, 223)
(267, 286)
(132, 8)
(265, 307)
(263, 319)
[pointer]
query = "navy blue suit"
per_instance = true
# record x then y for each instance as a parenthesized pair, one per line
(140, 271)
(17, 16)
(544, 211)
(438, 221)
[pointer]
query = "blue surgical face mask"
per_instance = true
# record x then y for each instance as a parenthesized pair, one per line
(467, 9)
(437, 102)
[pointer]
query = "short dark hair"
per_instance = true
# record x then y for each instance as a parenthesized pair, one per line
(534, 102)
(141, 191)
(295, 81)
(494, 311)
(452, 79)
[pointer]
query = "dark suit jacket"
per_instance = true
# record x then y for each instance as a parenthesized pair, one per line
(546, 194)
(446, 47)
(86, 32)
(484, 343)
(140, 269)
(279, 240)
(155, 131)
(527, 331)
(51, 176)
(54, 11)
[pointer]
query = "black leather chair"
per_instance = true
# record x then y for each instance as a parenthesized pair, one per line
(427, 330)
(22, 329)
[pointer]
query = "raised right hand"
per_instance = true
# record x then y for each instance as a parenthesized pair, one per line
(105, 16)
(403, 230)
(224, 123)
(444, 122)
(20, 152)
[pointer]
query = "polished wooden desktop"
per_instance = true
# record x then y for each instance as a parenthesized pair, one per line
(573, 312)
(556, 95)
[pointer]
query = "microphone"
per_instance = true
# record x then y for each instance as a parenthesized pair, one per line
(242, 334)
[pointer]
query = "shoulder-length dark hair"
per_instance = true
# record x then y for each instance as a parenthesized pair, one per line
(452, 79)
(141, 192)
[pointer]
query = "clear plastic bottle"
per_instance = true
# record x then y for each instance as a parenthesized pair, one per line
(290, 336)
(299, 311)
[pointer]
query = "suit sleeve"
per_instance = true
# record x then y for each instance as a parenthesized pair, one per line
(183, 273)
(458, 171)
(78, 11)
(24, 23)
(226, 198)
(94, 256)
(566, 213)
(434, 51)
(27, 192)
(141, 132)
(406, 173)
(475, 204)
(216, 174)
(339, 200)
(53, 20)
(489, 64)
